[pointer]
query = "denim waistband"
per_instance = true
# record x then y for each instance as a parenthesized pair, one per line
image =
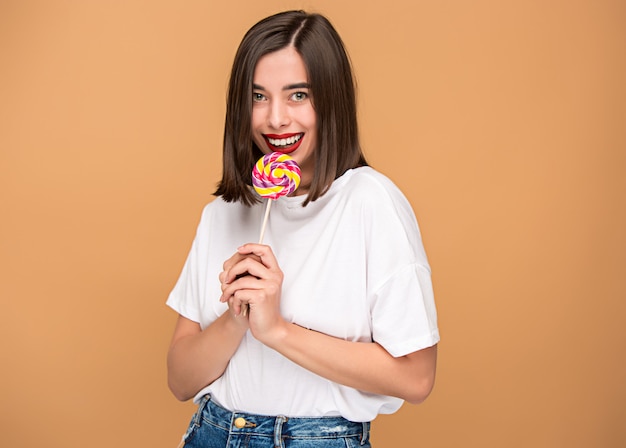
(280, 426)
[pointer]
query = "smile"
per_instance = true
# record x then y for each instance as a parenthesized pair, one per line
(286, 143)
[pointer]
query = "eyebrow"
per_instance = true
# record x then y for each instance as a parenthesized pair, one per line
(298, 85)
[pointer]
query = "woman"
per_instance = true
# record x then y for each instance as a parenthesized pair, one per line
(342, 322)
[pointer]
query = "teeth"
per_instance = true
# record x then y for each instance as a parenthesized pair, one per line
(284, 141)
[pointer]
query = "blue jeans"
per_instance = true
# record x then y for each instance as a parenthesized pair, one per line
(215, 427)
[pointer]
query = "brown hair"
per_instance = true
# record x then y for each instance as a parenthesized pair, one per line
(333, 93)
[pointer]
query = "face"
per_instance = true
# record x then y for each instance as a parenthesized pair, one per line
(283, 118)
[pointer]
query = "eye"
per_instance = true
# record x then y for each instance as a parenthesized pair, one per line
(299, 96)
(257, 97)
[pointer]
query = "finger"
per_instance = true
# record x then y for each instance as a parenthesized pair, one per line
(264, 252)
(225, 276)
(225, 279)
(247, 266)
(236, 257)
(246, 283)
(239, 303)
(236, 307)
(233, 260)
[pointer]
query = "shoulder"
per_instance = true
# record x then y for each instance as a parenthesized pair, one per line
(386, 213)
(219, 216)
(375, 190)
(226, 221)
(219, 207)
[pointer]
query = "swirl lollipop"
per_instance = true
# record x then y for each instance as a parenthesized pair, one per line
(274, 175)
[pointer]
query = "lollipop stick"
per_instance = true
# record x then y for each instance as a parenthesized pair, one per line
(267, 214)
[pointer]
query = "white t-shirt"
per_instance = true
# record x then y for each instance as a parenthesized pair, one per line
(354, 267)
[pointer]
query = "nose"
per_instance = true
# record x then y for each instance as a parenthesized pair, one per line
(278, 116)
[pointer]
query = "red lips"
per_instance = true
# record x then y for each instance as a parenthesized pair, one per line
(283, 149)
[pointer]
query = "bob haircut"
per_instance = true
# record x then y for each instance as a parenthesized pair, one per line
(332, 88)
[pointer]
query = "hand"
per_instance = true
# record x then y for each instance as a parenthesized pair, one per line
(252, 276)
(242, 307)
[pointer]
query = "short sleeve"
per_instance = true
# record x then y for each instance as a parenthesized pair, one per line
(404, 318)
(402, 304)
(188, 293)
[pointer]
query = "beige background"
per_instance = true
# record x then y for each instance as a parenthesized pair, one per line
(503, 121)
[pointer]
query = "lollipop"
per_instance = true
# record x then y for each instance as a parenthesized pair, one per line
(275, 175)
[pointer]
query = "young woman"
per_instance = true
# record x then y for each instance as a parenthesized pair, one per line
(342, 322)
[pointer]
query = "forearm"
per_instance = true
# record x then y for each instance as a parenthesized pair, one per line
(197, 358)
(364, 366)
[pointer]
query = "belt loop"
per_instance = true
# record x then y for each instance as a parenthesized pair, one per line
(366, 432)
(201, 406)
(278, 431)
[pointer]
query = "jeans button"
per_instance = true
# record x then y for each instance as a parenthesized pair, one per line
(240, 422)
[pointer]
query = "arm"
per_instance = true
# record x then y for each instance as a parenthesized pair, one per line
(198, 357)
(364, 366)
